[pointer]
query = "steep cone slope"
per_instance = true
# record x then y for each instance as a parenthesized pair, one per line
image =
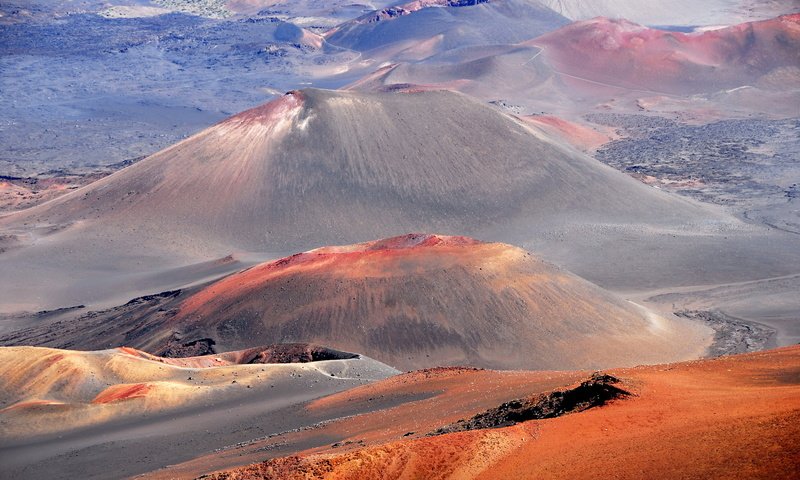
(47, 390)
(411, 302)
(621, 53)
(319, 167)
(734, 417)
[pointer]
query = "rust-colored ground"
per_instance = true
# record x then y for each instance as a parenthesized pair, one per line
(734, 417)
(405, 406)
(621, 53)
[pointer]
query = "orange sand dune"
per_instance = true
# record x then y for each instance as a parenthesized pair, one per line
(401, 407)
(733, 417)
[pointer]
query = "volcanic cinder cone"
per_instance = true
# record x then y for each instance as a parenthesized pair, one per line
(315, 168)
(415, 301)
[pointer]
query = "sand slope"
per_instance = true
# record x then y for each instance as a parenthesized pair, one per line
(327, 166)
(734, 417)
(315, 167)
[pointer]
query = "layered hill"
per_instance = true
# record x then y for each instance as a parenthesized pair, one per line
(314, 167)
(413, 301)
(47, 391)
(628, 55)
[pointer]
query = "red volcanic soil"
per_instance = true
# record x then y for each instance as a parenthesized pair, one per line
(418, 402)
(578, 135)
(733, 417)
(122, 392)
(621, 53)
(423, 300)
(363, 256)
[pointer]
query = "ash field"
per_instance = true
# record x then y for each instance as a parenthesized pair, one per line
(462, 239)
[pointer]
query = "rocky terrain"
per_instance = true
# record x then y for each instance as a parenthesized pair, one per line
(751, 165)
(145, 84)
(594, 392)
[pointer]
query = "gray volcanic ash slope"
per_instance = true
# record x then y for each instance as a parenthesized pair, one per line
(314, 168)
(317, 167)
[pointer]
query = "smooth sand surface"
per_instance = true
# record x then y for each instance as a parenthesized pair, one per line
(733, 417)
